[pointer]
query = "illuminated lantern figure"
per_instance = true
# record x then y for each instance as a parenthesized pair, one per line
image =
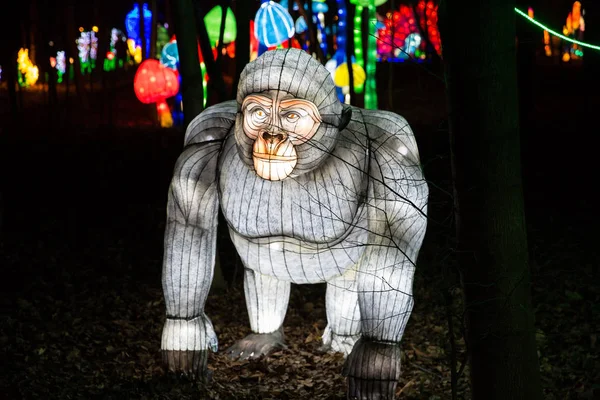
(61, 65)
(154, 83)
(341, 77)
(132, 25)
(28, 73)
(319, 7)
(162, 38)
(254, 45)
(213, 19)
(403, 23)
(312, 191)
(273, 24)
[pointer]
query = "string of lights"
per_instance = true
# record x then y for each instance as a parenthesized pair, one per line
(557, 34)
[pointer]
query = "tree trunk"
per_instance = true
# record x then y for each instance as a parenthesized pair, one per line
(33, 30)
(481, 80)
(142, 32)
(189, 66)
(242, 42)
(154, 26)
(528, 39)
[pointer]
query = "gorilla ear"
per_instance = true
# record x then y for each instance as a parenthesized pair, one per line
(346, 116)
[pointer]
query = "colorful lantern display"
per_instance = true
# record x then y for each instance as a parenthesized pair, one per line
(319, 8)
(154, 83)
(213, 20)
(162, 38)
(61, 65)
(132, 25)
(87, 45)
(574, 28)
(273, 24)
(117, 53)
(28, 73)
(399, 25)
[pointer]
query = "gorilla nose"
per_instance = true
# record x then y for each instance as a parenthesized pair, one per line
(272, 137)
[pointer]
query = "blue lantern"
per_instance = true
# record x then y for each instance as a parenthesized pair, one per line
(301, 26)
(273, 24)
(285, 4)
(170, 55)
(132, 24)
(318, 7)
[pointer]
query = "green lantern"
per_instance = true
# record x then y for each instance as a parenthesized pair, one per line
(366, 3)
(212, 20)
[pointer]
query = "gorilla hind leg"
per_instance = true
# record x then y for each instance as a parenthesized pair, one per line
(266, 300)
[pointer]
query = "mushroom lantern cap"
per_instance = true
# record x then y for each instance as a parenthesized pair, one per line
(154, 82)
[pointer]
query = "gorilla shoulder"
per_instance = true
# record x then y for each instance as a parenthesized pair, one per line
(389, 131)
(212, 124)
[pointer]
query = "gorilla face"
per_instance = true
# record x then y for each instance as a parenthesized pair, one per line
(277, 122)
(288, 116)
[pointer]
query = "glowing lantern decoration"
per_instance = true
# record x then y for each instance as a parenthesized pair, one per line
(28, 73)
(300, 25)
(253, 42)
(162, 38)
(401, 24)
(341, 77)
(273, 24)
(87, 44)
(366, 3)
(170, 55)
(154, 83)
(134, 51)
(319, 7)
(132, 24)
(212, 20)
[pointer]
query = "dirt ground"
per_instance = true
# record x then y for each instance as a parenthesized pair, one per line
(84, 199)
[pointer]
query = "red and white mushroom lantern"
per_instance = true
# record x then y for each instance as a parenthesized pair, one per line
(154, 83)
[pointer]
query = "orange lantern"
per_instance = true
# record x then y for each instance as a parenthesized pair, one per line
(154, 83)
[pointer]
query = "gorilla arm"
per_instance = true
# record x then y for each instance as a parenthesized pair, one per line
(397, 207)
(190, 244)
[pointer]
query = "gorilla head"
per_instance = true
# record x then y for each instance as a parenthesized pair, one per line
(288, 114)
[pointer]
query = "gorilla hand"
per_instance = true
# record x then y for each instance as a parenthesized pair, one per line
(190, 363)
(186, 344)
(256, 345)
(372, 370)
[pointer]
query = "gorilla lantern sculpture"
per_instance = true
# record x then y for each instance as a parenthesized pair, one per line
(312, 191)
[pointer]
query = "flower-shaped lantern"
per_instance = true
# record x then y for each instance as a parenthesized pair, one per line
(154, 83)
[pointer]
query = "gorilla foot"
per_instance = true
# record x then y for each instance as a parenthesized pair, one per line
(334, 343)
(190, 363)
(372, 370)
(256, 345)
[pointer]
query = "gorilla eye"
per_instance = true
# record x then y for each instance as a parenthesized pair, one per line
(259, 114)
(292, 116)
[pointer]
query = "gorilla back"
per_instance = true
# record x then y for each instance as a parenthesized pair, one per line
(312, 191)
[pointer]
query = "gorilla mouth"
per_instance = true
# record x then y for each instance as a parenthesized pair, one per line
(273, 157)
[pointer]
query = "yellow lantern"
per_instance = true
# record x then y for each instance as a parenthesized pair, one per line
(341, 77)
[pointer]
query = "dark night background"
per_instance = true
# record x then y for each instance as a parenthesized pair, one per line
(83, 188)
